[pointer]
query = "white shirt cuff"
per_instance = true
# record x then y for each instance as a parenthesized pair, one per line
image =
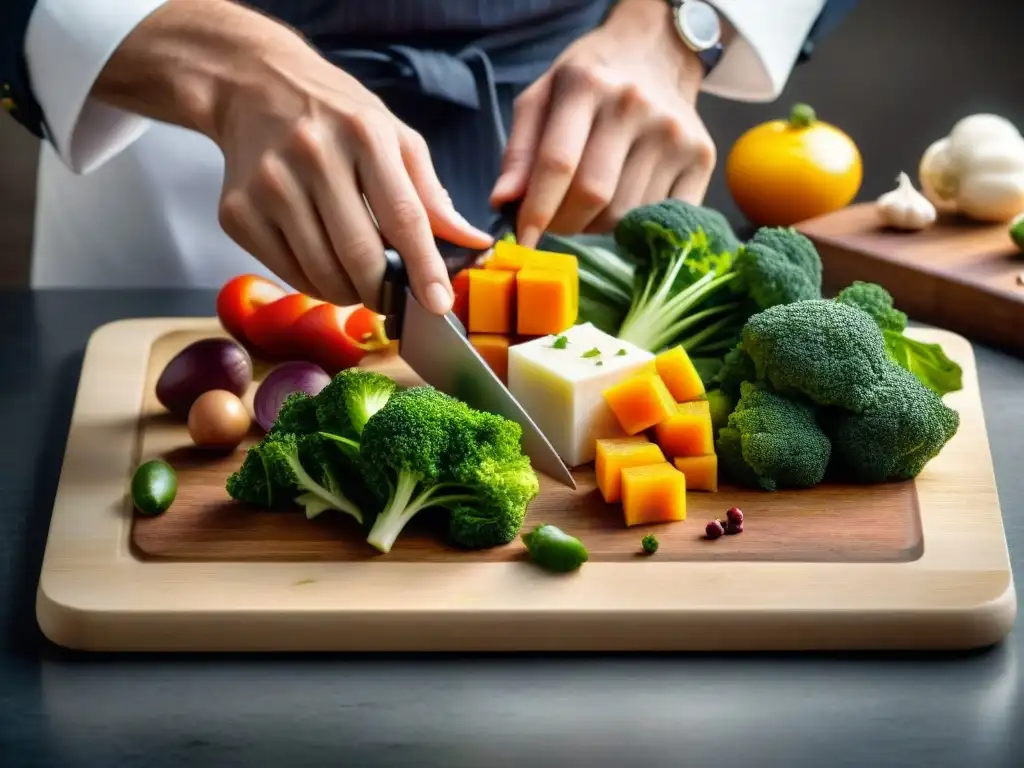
(769, 35)
(67, 44)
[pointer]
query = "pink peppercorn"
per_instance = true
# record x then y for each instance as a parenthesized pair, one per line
(714, 529)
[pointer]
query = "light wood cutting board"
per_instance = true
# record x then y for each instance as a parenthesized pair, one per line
(958, 275)
(921, 564)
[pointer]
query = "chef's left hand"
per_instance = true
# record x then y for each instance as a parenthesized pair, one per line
(612, 125)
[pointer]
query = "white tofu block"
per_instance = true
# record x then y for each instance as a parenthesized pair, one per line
(563, 390)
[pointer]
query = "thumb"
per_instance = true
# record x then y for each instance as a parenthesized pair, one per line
(445, 221)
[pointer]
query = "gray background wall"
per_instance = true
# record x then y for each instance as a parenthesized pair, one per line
(895, 76)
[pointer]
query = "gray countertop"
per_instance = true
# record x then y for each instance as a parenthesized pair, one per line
(68, 710)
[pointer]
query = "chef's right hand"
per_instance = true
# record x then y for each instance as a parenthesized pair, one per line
(303, 144)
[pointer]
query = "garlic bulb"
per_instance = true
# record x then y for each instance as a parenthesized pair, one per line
(905, 207)
(977, 170)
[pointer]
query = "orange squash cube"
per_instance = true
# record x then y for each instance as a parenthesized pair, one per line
(653, 493)
(614, 454)
(639, 402)
(685, 434)
(696, 407)
(545, 301)
(701, 472)
(679, 374)
(492, 301)
(493, 348)
(460, 289)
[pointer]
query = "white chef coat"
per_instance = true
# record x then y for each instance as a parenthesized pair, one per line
(124, 201)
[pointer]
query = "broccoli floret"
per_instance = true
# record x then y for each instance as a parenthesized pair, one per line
(877, 302)
(904, 428)
(737, 367)
(252, 484)
(689, 294)
(352, 397)
(779, 266)
(424, 449)
(304, 465)
(297, 414)
(831, 353)
(675, 216)
(773, 442)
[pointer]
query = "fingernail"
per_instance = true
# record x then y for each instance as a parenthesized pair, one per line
(502, 186)
(439, 299)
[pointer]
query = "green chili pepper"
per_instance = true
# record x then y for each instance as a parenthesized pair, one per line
(552, 548)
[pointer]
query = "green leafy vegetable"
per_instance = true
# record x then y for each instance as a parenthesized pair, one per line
(927, 361)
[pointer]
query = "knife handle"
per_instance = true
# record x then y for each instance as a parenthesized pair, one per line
(392, 292)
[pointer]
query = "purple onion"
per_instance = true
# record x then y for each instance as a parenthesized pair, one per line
(213, 363)
(284, 380)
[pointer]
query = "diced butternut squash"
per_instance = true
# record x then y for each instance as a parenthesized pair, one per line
(614, 454)
(640, 402)
(653, 493)
(696, 406)
(685, 434)
(679, 374)
(512, 257)
(460, 287)
(545, 301)
(492, 301)
(701, 472)
(493, 348)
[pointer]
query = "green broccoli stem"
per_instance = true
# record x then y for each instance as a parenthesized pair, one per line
(597, 263)
(404, 504)
(609, 291)
(313, 489)
(650, 323)
(699, 317)
(695, 341)
(349, 447)
(723, 345)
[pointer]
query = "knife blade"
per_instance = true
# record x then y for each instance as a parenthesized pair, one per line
(437, 348)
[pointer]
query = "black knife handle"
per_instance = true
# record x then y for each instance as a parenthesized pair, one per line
(455, 258)
(392, 292)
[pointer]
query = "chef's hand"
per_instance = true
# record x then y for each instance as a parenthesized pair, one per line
(611, 125)
(303, 143)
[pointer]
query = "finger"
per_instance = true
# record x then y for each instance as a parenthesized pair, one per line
(287, 202)
(354, 244)
(558, 156)
(252, 232)
(527, 126)
(593, 187)
(403, 220)
(638, 170)
(445, 221)
(691, 186)
(663, 176)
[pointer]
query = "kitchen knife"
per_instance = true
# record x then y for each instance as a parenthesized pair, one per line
(437, 349)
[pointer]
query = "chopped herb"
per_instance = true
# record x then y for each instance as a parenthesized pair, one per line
(599, 362)
(592, 352)
(621, 352)
(560, 343)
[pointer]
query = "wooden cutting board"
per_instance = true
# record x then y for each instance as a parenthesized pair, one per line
(958, 274)
(920, 564)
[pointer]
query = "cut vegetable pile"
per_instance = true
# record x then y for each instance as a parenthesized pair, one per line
(669, 355)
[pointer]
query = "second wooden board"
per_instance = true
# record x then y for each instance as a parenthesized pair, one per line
(915, 565)
(958, 274)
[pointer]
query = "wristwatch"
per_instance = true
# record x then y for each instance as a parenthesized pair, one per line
(700, 29)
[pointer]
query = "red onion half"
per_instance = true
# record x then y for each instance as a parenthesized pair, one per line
(284, 380)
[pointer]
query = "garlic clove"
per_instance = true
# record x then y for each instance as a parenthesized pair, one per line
(905, 207)
(981, 128)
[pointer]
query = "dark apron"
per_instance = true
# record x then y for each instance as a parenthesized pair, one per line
(455, 89)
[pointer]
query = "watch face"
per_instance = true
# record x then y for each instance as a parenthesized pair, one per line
(699, 24)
